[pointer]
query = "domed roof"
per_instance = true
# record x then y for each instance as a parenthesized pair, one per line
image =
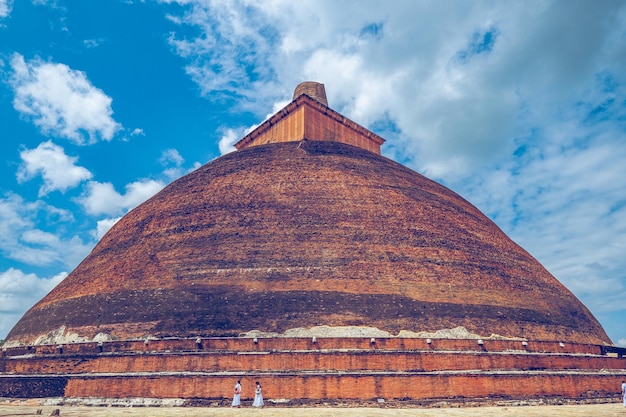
(306, 233)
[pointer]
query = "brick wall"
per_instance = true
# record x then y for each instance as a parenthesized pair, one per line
(306, 361)
(351, 386)
(24, 386)
(271, 344)
(324, 368)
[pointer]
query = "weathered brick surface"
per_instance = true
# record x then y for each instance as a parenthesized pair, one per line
(303, 234)
(32, 386)
(329, 369)
(306, 361)
(312, 89)
(307, 344)
(351, 386)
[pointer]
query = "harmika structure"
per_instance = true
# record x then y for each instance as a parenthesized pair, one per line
(309, 262)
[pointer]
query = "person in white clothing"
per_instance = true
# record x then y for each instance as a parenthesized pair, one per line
(624, 392)
(237, 396)
(258, 397)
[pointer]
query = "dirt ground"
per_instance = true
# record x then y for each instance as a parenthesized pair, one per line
(600, 410)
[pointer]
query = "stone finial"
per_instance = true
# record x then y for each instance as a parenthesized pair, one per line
(312, 89)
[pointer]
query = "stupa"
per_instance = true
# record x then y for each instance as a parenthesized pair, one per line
(307, 259)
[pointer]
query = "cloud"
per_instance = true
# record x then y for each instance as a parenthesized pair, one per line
(104, 225)
(58, 170)
(233, 39)
(135, 132)
(18, 289)
(5, 8)
(229, 138)
(451, 114)
(101, 198)
(61, 101)
(173, 161)
(171, 156)
(93, 43)
(21, 240)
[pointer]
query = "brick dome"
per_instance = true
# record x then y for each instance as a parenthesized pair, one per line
(301, 234)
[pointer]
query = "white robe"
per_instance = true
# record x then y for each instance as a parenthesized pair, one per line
(237, 396)
(258, 398)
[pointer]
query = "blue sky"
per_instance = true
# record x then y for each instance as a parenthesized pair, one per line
(520, 107)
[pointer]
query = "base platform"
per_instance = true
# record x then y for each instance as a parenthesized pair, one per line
(293, 370)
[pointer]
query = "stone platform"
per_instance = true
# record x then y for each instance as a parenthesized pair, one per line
(315, 369)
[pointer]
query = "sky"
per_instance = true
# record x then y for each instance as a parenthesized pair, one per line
(520, 107)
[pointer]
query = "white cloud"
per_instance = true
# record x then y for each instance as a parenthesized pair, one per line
(171, 156)
(61, 101)
(21, 240)
(104, 226)
(58, 170)
(5, 8)
(101, 198)
(19, 290)
(93, 43)
(135, 132)
(621, 342)
(228, 140)
(221, 57)
(173, 161)
(402, 65)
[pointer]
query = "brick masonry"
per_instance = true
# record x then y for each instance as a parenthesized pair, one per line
(303, 234)
(327, 368)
